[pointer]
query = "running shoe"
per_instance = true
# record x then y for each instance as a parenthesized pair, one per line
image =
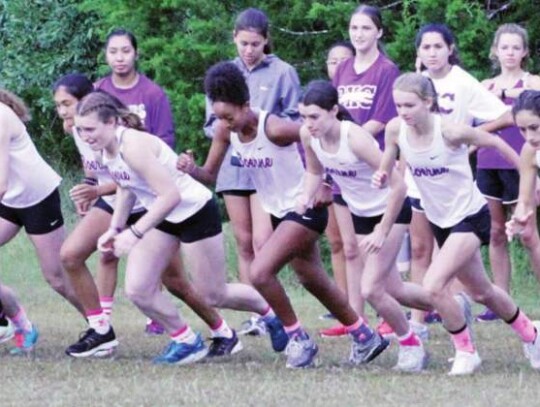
(255, 326)
(326, 316)
(411, 359)
(465, 363)
(301, 351)
(6, 332)
(278, 336)
(487, 316)
(179, 353)
(334, 331)
(222, 346)
(385, 330)
(420, 330)
(25, 341)
(432, 317)
(93, 344)
(366, 351)
(154, 328)
(532, 350)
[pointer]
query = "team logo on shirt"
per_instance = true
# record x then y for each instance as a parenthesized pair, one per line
(92, 165)
(357, 96)
(428, 171)
(341, 173)
(119, 175)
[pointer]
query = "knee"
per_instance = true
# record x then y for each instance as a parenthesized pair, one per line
(372, 293)
(350, 250)
(139, 296)
(435, 292)
(71, 258)
(530, 240)
(336, 246)
(421, 252)
(244, 243)
(258, 275)
(482, 296)
(498, 236)
(214, 297)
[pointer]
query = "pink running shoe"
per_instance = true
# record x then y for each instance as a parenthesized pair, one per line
(333, 332)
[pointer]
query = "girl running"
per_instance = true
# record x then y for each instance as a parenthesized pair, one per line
(338, 52)
(526, 112)
(97, 199)
(181, 209)
(364, 85)
(267, 150)
(274, 87)
(498, 179)
(144, 98)
(461, 99)
(436, 153)
(350, 155)
(29, 198)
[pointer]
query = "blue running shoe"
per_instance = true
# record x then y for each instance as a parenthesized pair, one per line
(25, 341)
(179, 353)
(278, 336)
(301, 352)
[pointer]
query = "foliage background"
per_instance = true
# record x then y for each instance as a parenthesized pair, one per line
(179, 39)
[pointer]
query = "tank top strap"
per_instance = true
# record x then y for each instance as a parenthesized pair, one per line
(344, 135)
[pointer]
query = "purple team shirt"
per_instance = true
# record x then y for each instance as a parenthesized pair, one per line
(148, 101)
(491, 158)
(368, 96)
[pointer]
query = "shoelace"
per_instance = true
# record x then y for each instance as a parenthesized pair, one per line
(295, 348)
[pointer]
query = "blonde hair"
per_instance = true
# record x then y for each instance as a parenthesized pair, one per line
(107, 106)
(420, 85)
(510, 28)
(16, 104)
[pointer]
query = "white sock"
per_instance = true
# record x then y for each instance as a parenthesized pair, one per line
(222, 331)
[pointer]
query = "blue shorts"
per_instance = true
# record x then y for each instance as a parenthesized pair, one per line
(315, 219)
(479, 224)
(38, 219)
(499, 184)
(203, 224)
(416, 205)
(364, 225)
(104, 206)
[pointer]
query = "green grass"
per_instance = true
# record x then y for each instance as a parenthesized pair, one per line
(254, 377)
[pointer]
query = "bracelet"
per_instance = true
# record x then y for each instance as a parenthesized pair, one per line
(503, 94)
(138, 234)
(90, 181)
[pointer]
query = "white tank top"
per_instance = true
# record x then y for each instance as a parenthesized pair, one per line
(194, 194)
(277, 171)
(352, 175)
(538, 159)
(443, 177)
(30, 178)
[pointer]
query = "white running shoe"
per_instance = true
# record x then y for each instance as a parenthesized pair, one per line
(6, 332)
(411, 359)
(465, 363)
(532, 350)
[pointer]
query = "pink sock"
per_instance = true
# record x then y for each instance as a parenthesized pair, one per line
(184, 334)
(355, 326)
(462, 341)
(21, 321)
(523, 326)
(98, 321)
(269, 312)
(107, 305)
(222, 330)
(409, 339)
(292, 328)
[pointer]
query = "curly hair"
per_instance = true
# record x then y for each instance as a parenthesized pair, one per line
(224, 82)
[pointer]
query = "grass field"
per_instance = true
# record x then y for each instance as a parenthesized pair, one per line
(254, 377)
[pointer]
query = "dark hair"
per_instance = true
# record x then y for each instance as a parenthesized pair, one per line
(224, 82)
(527, 100)
(321, 93)
(108, 106)
(76, 84)
(344, 44)
(16, 104)
(122, 32)
(253, 19)
(446, 34)
(372, 12)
